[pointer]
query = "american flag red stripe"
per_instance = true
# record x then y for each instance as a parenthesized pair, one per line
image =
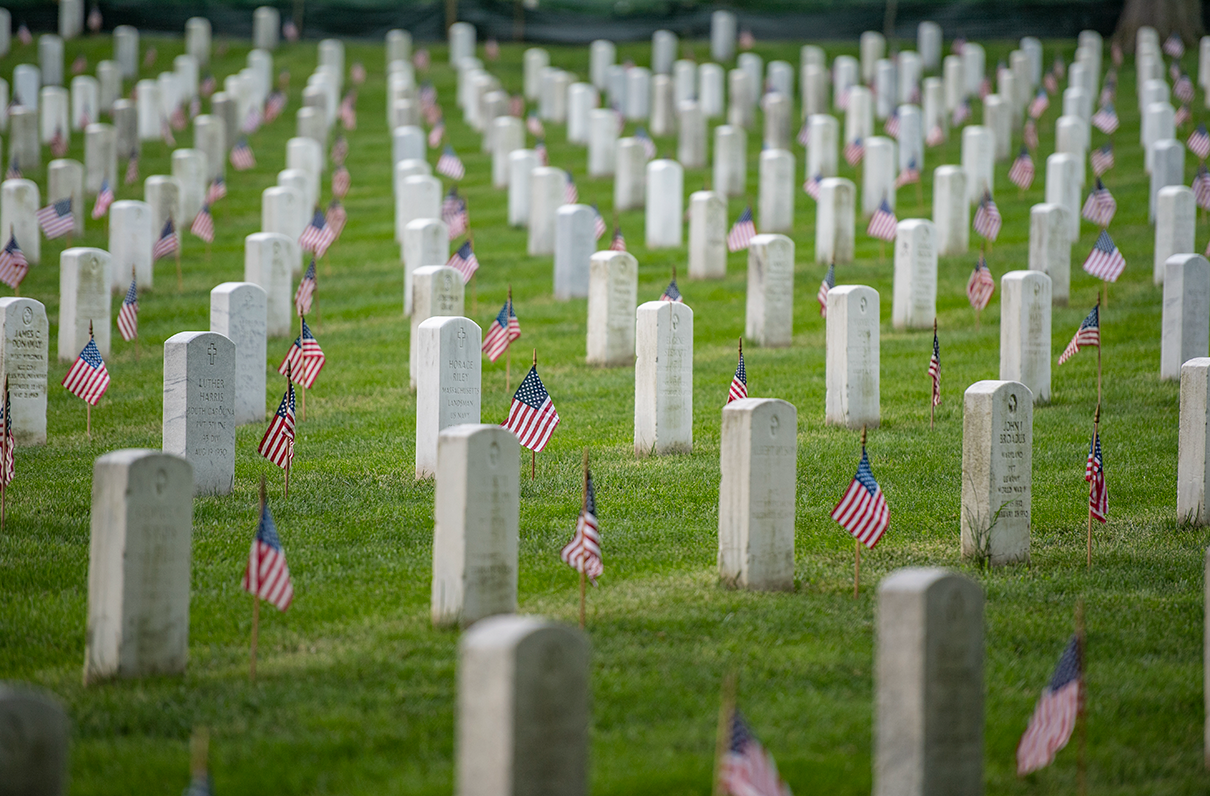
(1089, 334)
(8, 464)
(242, 158)
(104, 199)
(267, 575)
(1100, 206)
(829, 282)
(1106, 119)
(203, 225)
(883, 224)
(1055, 715)
(128, 315)
(1105, 261)
(1102, 159)
(739, 382)
(742, 232)
(13, 265)
(318, 236)
(341, 182)
(747, 768)
(450, 164)
(532, 416)
(987, 218)
(1022, 172)
(277, 445)
(1094, 473)
(503, 330)
(336, 217)
(88, 379)
(980, 286)
(583, 552)
(167, 243)
(56, 219)
(1199, 142)
(306, 291)
(854, 151)
(465, 262)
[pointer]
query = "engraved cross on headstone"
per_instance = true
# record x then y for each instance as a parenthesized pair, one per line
(461, 337)
(212, 352)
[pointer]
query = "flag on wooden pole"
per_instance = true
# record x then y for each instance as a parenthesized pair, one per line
(502, 331)
(1055, 715)
(266, 575)
(532, 416)
(128, 315)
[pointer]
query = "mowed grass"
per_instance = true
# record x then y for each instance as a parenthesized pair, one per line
(356, 691)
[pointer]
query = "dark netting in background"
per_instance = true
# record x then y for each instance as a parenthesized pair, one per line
(581, 21)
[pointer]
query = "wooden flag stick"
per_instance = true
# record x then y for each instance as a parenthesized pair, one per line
(136, 336)
(856, 541)
(255, 597)
(508, 352)
(583, 508)
(533, 460)
(1096, 425)
(470, 236)
(301, 389)
(4, 453)
(1081, 710)
(726, 711)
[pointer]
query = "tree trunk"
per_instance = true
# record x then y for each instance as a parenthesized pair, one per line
(1182, 17)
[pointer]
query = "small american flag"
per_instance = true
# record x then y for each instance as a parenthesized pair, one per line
(13, 265)
(208, 86)
(88, 379)
(742, 232)
(216, 191)
(318, 236)
(1059, 67)
(104, 200)
(132, 169)
(1102, 159)
(583, 552)
(618, 244)
(1105, 261)
(252, 121)
(672, 293)
(936, 136)
(598, 224)
(336, 218)
(909, 175)
(8, 465)
(128, 315)
(746, 40)
(79, 65)
(14, 170)
(987, 218)
(516, 105)
(421, 59)
(1201, 187)
(437, 134)
(935, 369)
(1088, 334)
(278, 443)
(985, 87)
(58, 143)
(645, 140)
(540, 151)
(1100, 206)
(166, 133)
(829, 282)
(455, 214)
(1040, 103)
(305, 357)
(619, 118)
(1174, 47)
(811, 186)
(1022, 172)
(464, 261)
(532, 416)
(492, 49)
(502, 331)
(891, 125)
(804, 134)
(306, 291)
(1182, 116)
(358, 73)
(1055, 716)
(341, 181)
(863, 511)
(1030, 134)
(24, 36)
(1108, 93)
(56, 219)
(883, 223)
(747, 768)
(1094, 474)
(1199, 142)
(1050, 82)
(570, 194)
(241, 156)
(961, 113)
(275, 103)
(450, 165)
(94, 19)
(739, 382)
(854, 151)
(267, 575)
(348, 111)
(177, 118)
(290, 31)
(534, 125)
(981, 285)
(203, 224)
(1106, 119)
(1183, 89)
(340, 150)
(167, 244)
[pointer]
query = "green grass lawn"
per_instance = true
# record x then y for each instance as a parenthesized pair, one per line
(356, 690)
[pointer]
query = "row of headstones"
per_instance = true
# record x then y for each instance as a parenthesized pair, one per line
(523, 713)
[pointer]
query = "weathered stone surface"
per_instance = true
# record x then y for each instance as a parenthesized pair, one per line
(612, 302)
(1025, 331)
(1193, 460)
(199, 407)
(997, 471)
(238, 312)
(852, 397)
(663, 379)
(24, 358)
(447, 383)
(1186, 319)
(914, 304)
(84, 288)
(707, 235)
(769, 318)
(269, 259)
(36, 728)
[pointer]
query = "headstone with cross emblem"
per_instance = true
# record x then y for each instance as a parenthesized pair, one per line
(663, 379)
(475, 524)
(437, 290)
(853, 355)
(24, 353)
(997, 472)
(199, 407)
(1025, 331)
(138, 567)
(447, 381)
(756, 496)
(84, 300)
